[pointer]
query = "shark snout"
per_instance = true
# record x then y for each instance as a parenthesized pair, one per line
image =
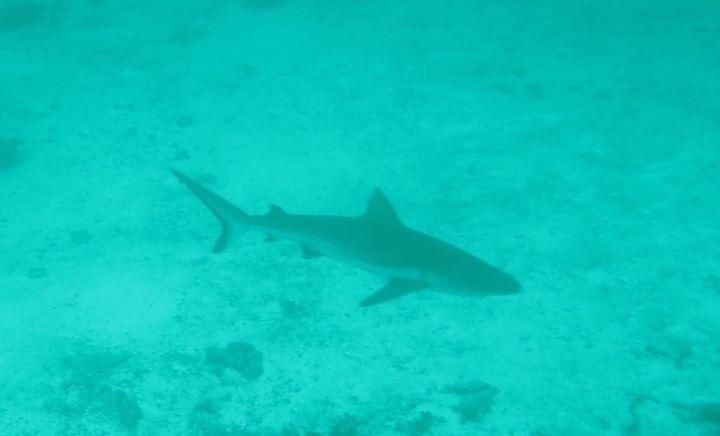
(500, 283)
(494, 283)
(509, 285)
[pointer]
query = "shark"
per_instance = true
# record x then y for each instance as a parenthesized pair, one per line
(376, 241)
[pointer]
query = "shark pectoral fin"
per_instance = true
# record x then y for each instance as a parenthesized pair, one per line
(395, 288)
(309, 253)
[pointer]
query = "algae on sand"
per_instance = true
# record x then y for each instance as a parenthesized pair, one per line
(237, 356)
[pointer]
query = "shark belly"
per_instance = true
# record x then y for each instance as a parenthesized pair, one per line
(344, 252)
(379, 269)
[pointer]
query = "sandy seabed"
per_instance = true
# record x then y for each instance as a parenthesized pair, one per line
(575, 144)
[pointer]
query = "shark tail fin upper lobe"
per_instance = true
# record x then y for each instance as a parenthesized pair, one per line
(231, 218)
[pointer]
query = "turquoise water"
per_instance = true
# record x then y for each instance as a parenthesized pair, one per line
(573, 144)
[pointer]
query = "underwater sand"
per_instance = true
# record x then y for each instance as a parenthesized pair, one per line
(574, 144)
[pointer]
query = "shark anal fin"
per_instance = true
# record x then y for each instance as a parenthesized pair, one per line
(309, 253)
(395, 288)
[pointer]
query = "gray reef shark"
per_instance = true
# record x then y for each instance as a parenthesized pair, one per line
(376, 241)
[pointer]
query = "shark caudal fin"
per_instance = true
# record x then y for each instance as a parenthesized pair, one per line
(231, 218)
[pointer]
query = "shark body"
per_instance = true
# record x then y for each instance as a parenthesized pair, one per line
(376, 241)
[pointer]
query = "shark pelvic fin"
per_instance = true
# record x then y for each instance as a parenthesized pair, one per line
(380, 210)
(309, 253)
(395, 288)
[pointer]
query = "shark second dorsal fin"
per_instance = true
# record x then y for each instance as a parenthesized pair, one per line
(275, 210)
(380, 210)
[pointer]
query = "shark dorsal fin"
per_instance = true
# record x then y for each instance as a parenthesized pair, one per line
(275, 210)
(380, 210)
